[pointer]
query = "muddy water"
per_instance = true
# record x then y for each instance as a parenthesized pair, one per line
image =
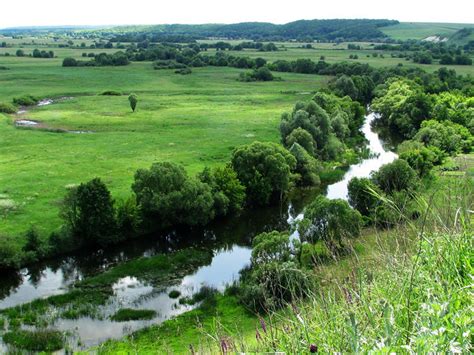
(229, 239)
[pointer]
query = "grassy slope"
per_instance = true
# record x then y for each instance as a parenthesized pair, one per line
(195, 120)
(421, 30)
(374, 250)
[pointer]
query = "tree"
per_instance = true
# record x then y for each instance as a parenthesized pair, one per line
(303, 138)
(228, 191)
(168, 197)
(69, 62)
(264, 169)
(331, 221)
(395, 176)
(20, 53)
(88, 211)
(307, 167)
(133, 100)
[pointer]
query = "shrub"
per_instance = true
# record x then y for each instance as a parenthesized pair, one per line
(167, 195)
(303, 138)
(331, 221)
(307, 167)
(37, 340)
(9, 255)
(184, 71)
(228, 191)
(7, 108)
(127, 314)
(264, 169)
(363, 195)
(111, 93)
(174, 294)
(395, 176)
(133, 100)
(88, 211)
(69, 62)
(26, 100)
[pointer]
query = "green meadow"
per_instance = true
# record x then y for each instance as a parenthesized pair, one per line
(422, 30)
(195, 120)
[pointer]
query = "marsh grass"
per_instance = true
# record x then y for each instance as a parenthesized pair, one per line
(127, 314)
(38, 340)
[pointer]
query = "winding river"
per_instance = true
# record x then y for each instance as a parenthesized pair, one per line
(229, 239)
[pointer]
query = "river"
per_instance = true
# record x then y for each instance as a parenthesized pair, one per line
(229, 239)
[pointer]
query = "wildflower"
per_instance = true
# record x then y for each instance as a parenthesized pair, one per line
(313, 348)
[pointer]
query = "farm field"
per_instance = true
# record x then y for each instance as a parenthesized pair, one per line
(422, 30)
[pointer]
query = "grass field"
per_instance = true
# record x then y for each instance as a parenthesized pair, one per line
(195, 120)
(422, 30)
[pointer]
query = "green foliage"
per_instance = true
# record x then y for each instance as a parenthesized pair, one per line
(133, 100)
(37, 340)
(128, 216)
(228, 191)
(303, 138)
(363, 195)
(88, 212)
(168, 196)
(26, 100)
(111, 93)
(331, 221)
(274, 277)
(7, 108)
(264, 169)
(127, 314)
(447, 136)
(69, 62)
(395, 176)
(307, 167)
(174, 294)
(419, 157)
(9, 255)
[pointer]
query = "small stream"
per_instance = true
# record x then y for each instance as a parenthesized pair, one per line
(229, 239)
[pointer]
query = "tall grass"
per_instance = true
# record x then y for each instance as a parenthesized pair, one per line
(414, 295)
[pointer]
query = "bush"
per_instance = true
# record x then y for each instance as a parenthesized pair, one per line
(303, 138)
(363, 195)
(111, 93)
(88, 212)
(69, 62)
(264, 169)
(174, 294)
(395, 176)
(228, 191)
(37, 340)
(128, 217)
(127, 314)
(331, 221)
(7, 108)
(9, 255)
(26, 100)
(184, 71)
(167, 195)
(307, 167)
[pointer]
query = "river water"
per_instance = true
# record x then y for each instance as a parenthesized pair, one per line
(229, 239)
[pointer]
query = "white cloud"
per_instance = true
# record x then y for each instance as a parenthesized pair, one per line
(105, 12)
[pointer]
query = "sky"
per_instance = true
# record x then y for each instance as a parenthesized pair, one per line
(121, 12)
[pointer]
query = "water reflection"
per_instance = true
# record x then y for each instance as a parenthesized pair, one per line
(229, 239)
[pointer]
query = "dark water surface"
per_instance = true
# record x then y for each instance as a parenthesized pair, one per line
(229, 239)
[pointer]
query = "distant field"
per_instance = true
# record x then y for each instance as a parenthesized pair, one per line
(421, 30)
(195, 120)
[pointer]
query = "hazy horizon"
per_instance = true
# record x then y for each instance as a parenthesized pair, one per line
(55, 13)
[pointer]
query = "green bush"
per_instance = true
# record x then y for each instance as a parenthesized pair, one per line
(174, 294)
(70, 62)
(111, 93)
(395, 176)
(7, 108)
(26, 100)
(37, 340)
(127, 314)
(264, 169)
